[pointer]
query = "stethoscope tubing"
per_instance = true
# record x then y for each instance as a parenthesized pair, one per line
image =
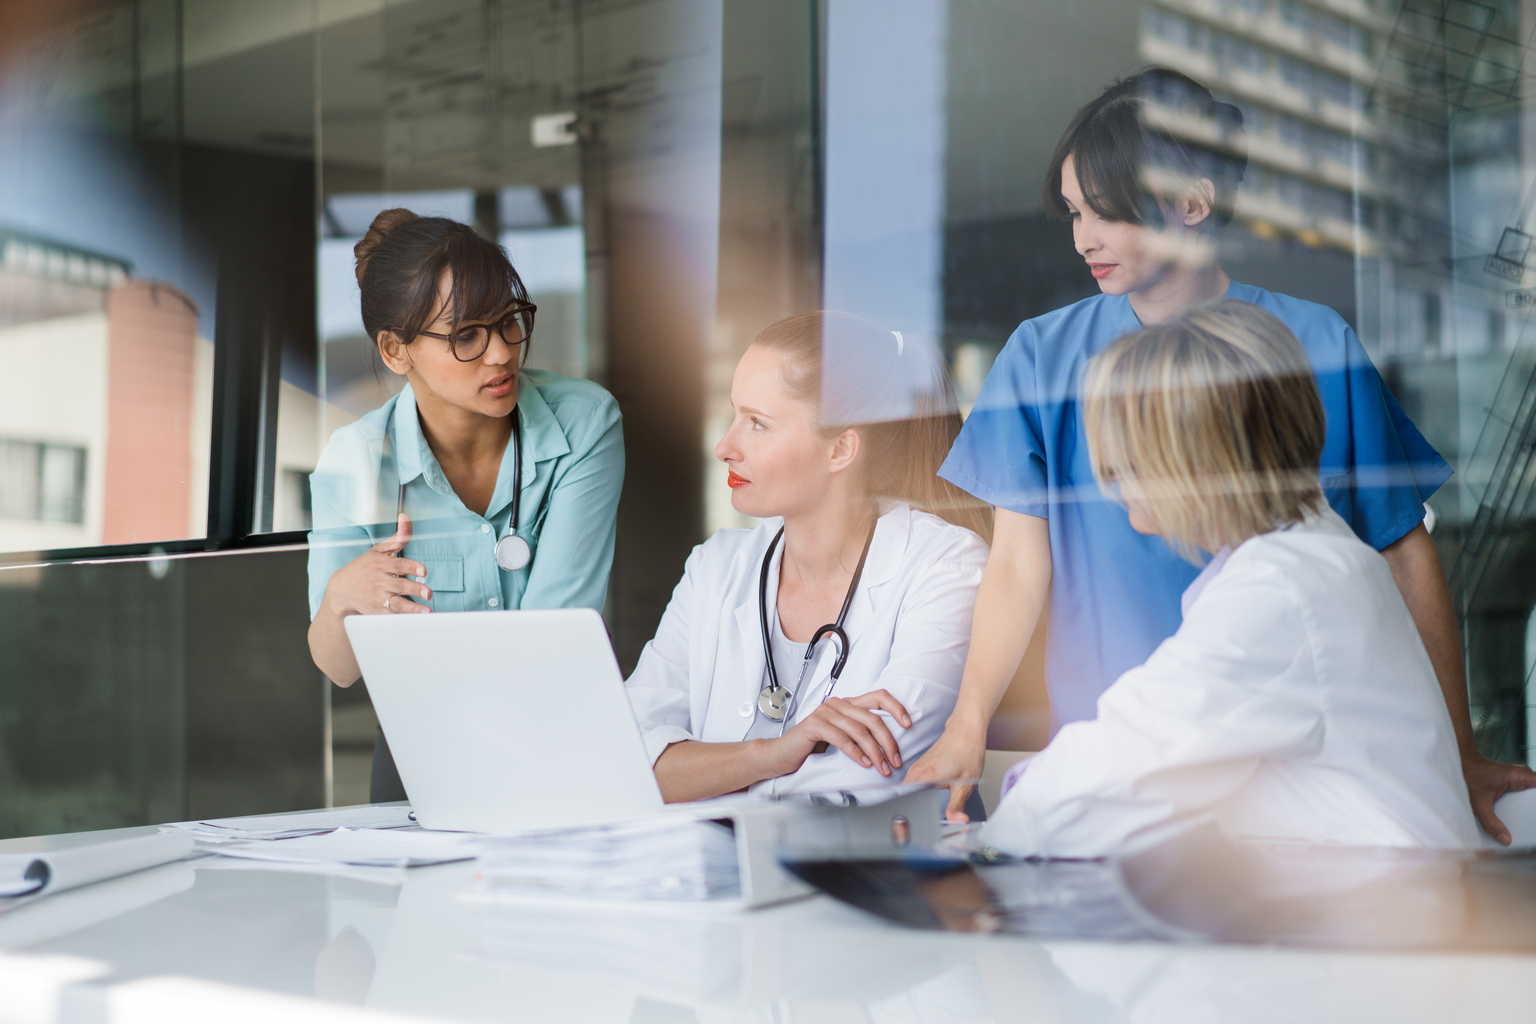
(833, 629)
(517, 491)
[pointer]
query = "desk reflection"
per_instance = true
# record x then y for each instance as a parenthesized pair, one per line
(1199, 887)
(594, 965)
(420, 943)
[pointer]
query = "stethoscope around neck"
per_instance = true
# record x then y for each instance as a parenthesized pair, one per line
(775, 701)
(512, 552)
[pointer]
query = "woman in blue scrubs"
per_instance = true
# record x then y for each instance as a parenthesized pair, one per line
(1144, 205)
(419, 505)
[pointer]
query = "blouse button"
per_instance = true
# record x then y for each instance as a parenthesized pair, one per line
(485, 527)
(492, 602)
(745, 711)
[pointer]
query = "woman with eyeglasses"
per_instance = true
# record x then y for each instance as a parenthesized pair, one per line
(483, 484)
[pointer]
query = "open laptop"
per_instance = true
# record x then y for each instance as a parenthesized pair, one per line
(506, 721)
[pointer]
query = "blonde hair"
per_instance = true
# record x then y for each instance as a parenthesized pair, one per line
(894, 393)
(1210, 423)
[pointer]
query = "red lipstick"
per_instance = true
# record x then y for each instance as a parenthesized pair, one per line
(735, 481)
(1102, 270)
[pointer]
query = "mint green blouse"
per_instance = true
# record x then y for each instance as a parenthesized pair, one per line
(573, 468)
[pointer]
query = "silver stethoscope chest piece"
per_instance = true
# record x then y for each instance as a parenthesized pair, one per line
(775, 702)
(512, 553)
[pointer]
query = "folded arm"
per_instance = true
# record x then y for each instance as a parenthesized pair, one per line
(691, 770)
(861, 730)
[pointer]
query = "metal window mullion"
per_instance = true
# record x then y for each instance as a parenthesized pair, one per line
(265, 466)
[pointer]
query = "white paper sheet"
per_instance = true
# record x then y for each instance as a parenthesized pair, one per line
(287, 826)
(371, 847)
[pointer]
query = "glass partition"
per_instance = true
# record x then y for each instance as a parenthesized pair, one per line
(182, 182)
(157, 688)
(156, 167)
(106, 314)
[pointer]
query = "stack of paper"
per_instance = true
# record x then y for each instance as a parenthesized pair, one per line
(289, 826)
(666, 859)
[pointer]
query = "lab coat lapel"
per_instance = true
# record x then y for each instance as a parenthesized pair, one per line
(880, 568)
(886, 551)
(742, 655)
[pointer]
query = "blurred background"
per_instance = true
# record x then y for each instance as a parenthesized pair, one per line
(182, 181)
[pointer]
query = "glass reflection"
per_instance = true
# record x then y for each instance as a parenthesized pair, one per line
(1198, 885)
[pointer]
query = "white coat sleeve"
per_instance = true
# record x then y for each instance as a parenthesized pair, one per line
(1235, 685)
(927, 657)
(658, 689)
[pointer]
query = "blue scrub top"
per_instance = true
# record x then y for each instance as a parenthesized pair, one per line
(1114, 592)
(573, 469)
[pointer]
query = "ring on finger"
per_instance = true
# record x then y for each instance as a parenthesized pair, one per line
(387, 600)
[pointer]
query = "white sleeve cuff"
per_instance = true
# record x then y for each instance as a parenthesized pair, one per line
(662, 737)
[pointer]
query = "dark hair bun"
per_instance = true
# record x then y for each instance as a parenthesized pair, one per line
(382, 225)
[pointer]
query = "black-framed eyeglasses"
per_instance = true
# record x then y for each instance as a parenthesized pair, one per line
(471, 340)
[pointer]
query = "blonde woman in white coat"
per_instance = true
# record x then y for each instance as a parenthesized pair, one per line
(1296, 701)
(837, 435)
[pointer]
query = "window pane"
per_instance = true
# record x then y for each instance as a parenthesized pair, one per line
(62, 484)
(19, 480)
(106, 315)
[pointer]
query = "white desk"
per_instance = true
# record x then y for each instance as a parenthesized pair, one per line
(418, 948)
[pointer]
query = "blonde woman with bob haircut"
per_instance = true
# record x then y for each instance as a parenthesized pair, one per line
(820, 651)
(1296, 701)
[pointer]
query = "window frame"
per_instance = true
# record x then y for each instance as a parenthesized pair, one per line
(247, 365)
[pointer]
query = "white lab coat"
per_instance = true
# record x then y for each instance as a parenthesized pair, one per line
(1296, 702)
(909, 628)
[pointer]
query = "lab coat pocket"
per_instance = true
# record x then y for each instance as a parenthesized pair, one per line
(445, 575)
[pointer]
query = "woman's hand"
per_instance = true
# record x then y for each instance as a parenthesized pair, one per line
(376, 582)
(1487, 780)
(690, 770)
(851, 726)
(957, 755)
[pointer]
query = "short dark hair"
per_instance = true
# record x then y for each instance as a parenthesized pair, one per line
(1112, 146)
(401, 259)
